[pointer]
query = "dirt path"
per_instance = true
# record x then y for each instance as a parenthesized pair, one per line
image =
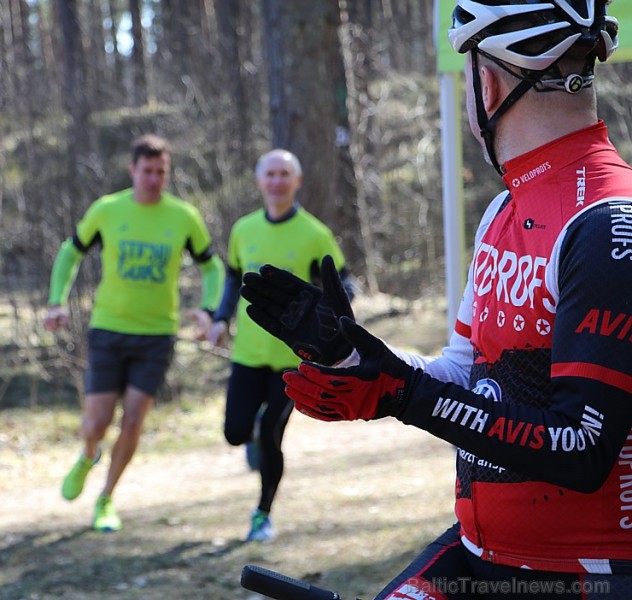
(357, 501)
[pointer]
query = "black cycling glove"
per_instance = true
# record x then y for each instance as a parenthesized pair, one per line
(299, 313)
(379, 386)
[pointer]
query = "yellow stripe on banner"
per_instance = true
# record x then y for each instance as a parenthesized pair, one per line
(622, 10)
(448, 61)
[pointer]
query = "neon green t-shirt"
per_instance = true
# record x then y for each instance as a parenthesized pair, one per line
(293, 245)
(141, 258)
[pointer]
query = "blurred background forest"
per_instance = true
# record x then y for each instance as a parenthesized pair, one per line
(350, 86)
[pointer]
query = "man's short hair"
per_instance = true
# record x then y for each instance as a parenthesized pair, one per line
(149, 145)
(281, 153)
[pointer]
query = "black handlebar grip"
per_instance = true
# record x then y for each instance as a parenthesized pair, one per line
(280, 587)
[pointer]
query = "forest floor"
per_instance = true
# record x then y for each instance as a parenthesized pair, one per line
(358, 500)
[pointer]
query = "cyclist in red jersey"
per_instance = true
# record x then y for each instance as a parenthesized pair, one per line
(535, 387)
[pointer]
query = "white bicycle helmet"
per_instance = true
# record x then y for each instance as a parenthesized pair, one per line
(532, 34)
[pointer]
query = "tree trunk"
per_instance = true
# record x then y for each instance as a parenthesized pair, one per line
(356, 36)
(139, 78)
(303, 51)
(74, 95)
(227, 13)
(117, 66)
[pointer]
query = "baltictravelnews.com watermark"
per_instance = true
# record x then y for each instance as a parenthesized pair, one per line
(466, 585)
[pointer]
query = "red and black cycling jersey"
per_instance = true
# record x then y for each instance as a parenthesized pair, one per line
(544, 467)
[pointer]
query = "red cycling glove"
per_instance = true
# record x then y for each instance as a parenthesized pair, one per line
(376, 388)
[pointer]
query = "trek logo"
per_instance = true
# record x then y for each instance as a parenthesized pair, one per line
(513, 279)
(621, 222)
(581, 186)
(603, 322)
(532, 174)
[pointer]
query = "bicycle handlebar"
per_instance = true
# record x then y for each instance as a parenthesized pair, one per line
(280, 587)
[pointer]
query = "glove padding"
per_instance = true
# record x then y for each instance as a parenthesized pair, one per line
(378, 387)
(299, 313)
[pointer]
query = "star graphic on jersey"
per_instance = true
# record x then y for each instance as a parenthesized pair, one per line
(501, 319)
(484, 315)
(519, 323)
(543, 327)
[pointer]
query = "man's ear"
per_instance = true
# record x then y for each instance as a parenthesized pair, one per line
(490, 89)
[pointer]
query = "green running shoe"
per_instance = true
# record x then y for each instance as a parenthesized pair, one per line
(261, 529)
(105, 517)
(73, 483)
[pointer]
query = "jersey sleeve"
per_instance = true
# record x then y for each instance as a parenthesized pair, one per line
(213, 277)
(70, 254)
(232, 258)
(577, 439)
(87, 230)
(199, 240)
(64, 272)
(230, 297)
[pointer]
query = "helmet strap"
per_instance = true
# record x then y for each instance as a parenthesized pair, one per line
(487, 125)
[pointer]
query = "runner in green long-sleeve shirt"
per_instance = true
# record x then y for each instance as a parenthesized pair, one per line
(142, 232)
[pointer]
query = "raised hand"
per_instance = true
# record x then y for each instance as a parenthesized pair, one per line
(300, 314)
(378, 387)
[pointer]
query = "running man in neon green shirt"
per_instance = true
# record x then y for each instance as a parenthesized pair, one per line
(142, 233)
(281, 233)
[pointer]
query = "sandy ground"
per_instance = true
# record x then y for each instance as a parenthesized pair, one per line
(353, 493)
(358, 501)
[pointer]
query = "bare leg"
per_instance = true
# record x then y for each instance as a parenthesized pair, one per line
(97, 416)
(136, 405)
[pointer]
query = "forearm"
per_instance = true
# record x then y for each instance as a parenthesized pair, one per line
(230, 297)
(64, 272)
(452, 365)
(213, 280)
(574, 445)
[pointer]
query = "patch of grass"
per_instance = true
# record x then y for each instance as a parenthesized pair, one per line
(186, 425)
